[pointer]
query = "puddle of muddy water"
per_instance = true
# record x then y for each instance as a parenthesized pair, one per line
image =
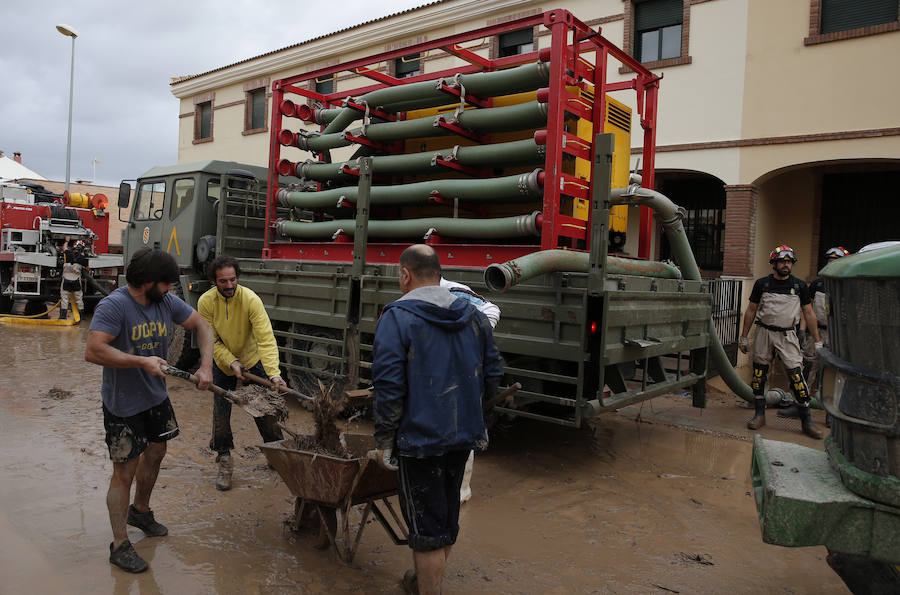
(621, 507)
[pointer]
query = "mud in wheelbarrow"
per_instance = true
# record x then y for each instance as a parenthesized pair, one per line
(330, 486)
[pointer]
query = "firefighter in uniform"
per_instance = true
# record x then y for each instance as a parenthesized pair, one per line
(776, 304)
(74, 262)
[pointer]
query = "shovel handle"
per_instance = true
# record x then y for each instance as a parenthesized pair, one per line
(271, 385)
(226, 394)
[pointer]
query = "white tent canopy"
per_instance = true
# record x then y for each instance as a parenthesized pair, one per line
(10, 169)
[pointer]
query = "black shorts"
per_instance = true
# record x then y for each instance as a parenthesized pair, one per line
(429, 498)
(127, 437)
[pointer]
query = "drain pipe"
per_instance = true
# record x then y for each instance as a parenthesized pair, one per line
(500, 277)
(670, 215)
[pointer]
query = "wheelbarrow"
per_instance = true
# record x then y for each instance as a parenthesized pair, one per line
(331, 486)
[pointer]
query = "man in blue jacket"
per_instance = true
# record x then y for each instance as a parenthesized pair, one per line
(434, 362)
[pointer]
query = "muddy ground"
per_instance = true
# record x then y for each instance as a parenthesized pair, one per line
(653, 499)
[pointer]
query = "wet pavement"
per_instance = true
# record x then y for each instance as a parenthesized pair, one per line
(654, 499)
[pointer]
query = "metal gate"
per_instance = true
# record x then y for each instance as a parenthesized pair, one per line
(726, 313)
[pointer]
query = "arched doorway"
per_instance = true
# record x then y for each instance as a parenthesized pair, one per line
(703, 198)
(815, 206)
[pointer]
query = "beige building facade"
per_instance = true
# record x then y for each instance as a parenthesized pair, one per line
(778, 121)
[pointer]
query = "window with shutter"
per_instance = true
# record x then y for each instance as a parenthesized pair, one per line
(203, 121)
(325, 85)
(844, 15)
(255, 117)
(516, 42)
(407, 66)
(657, 29)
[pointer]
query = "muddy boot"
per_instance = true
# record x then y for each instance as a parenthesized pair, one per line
(792, 411)
(63, 313)
(759, 418)
(146, 522)
(226, 468)
(126, 558)
(809, 428)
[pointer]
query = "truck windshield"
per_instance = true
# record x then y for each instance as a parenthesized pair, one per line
(150, 201)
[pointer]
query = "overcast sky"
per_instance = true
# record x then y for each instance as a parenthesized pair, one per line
(126, 52)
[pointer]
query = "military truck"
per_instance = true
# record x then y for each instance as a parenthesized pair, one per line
(516, 170)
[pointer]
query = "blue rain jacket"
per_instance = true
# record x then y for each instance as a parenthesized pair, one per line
(434, 361)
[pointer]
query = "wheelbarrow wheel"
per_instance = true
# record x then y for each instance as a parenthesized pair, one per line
(322, 541)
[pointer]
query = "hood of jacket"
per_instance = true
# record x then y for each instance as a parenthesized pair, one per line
(437, 306)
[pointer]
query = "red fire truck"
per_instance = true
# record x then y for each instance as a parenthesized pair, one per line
(34, 225)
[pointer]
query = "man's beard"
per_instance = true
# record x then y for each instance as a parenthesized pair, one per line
(155, 295)
(228, 293)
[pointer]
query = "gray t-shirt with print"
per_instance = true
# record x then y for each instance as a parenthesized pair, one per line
(138, 330)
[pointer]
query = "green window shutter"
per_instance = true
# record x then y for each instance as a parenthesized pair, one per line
(843, 15)
(655, 14)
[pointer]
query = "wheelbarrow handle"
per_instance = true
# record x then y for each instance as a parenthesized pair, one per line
(502, 397)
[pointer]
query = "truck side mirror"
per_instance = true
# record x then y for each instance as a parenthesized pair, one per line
(124, 195)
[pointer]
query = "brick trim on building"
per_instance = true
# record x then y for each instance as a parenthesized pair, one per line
(776, 140)
(740, 229)
(815, 27)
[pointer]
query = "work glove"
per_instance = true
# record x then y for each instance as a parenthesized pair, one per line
(744, 344)
(384, 458)
(819, 345)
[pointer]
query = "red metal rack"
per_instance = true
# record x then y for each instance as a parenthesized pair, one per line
(570, 41)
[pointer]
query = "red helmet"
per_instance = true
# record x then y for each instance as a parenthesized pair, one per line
(837, 252)
(782, 252)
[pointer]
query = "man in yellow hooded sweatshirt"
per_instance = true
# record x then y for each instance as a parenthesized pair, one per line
(243, 341)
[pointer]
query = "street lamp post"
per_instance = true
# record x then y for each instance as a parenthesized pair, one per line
(69, 32)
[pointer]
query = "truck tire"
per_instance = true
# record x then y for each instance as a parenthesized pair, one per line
(6, 304)
(308, 382)
(181, 354)
(33, 307)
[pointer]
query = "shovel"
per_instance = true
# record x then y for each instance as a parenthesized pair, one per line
(356, 397)
(226, 394)
(271, 386)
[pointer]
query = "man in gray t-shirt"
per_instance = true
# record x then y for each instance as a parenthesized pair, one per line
(129, 337)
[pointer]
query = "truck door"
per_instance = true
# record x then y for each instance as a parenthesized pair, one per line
(178, 233)
(147, 226)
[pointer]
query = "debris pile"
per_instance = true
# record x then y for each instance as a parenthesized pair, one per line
(327, 439)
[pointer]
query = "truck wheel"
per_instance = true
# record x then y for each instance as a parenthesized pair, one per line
(33, 307)
(6, 304)
(307, 381)
(181, 354)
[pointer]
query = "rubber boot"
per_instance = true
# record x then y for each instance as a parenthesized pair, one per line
(809, 428)
(792, 411)
(759, 418)
(226, 469)
(63, 314)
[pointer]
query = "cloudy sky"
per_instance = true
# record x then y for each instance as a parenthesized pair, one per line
(125, 54)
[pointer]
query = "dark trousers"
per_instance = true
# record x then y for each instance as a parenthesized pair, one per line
(222, 439)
